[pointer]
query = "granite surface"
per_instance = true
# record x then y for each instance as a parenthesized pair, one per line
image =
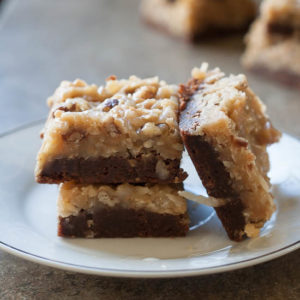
(43, 42)
(278, 279)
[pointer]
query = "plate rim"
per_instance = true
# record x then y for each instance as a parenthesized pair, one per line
(149, 274)
(137, 273)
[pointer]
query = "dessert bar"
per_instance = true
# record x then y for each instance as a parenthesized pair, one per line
(124, 210)
(226, 131)
(273, 43)
(125, 131)
(191, 19)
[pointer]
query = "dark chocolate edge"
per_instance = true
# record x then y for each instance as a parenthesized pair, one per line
(111, 170)
(217, 182)
(121, 222)
(282, 29)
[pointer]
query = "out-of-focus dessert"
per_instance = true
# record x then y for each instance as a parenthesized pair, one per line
(273, 43)
(191, 19)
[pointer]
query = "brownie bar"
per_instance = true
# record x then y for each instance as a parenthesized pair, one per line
(198, 18)
(123, 210)
(273, 43)
(279, 14)
(225, 131)
(111, 170)
(125, 131)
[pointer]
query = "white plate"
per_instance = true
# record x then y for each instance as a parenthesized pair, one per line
(28, 223)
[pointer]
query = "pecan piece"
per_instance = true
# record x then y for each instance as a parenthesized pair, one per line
(109, 104)
(74, 136)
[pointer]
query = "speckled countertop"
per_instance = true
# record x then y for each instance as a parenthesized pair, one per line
(278, 279)
(44, 42)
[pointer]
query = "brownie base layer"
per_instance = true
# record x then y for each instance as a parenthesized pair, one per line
(231, 216)
(112, 170)
(213, 174)
(283, 29)
(121, 222)
(217, 182)
(284, 76)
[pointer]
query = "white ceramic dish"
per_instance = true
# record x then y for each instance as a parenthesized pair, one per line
(28, 223)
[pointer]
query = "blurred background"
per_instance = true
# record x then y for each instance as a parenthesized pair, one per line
(44, 42)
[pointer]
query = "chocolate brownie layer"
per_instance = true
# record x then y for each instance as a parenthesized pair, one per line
(111, 170)
(217, 182)
(284, 29)
(120, 222)
(232, 219)
(213, 174)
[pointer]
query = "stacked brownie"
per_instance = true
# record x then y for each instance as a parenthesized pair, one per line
(116, 152)
(273, 44)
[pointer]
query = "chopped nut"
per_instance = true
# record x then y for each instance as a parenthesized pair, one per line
(74, 136)
(197, 114)
(66, 108)
(109, 104)
(240, 142)
(163, 127)
(145, 92)
(111, 77)
(148, 144)
(149, 129)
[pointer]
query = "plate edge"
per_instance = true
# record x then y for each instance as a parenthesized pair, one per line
(148, 274)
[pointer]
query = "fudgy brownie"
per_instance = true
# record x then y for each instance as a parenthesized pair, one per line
(273, 43)
(124, 210)
(191, 19)
(125, 131)
(226, 131)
